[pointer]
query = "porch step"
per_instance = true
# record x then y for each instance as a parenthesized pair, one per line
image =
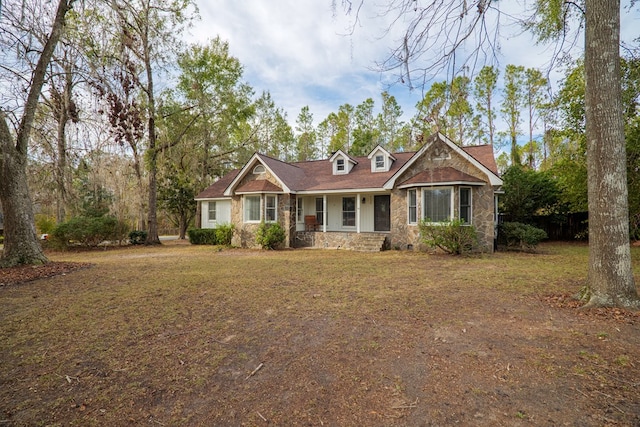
(367, 242)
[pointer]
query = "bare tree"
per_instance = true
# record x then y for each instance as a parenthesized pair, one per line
(21, 244)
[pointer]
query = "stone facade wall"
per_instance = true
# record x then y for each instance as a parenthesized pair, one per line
(245, 233)
(405, 235)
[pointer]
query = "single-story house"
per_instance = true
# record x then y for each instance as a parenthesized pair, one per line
(366, 203)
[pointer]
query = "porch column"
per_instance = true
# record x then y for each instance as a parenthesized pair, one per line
(324, 213)
(358, 213)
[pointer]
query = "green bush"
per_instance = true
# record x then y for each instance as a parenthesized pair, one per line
(453, 237)
(1, 240)
(519, 236)
(45, 224)
(202, 236)
(270, 236)
(224, 234)
(88, 231)
(137, 237)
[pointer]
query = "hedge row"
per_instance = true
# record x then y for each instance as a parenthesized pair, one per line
(211, 236)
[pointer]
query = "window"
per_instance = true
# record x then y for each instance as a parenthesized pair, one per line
(251, 208)
(465, 205)
(348, 211)
(299, 211)
(319, 210)
(212, 211)
(413, 206)
(379, 161)
(271, 208)
(436, 204)
(340, 165)
(259, 169)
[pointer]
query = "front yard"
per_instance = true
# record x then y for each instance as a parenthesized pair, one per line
(189, 335)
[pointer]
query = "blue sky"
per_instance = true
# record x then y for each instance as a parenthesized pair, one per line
(298, 50)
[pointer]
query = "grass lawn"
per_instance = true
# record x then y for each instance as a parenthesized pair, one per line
(193, 335)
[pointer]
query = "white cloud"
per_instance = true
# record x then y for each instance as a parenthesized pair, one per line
(298, 51)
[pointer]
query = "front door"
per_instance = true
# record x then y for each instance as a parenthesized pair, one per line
(382, 213)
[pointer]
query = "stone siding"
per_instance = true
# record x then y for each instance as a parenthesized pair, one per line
(245, 234)
(405, 235)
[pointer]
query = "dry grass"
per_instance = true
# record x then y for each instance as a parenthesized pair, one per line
(169, 335)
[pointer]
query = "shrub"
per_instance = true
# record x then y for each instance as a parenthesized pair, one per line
(453, 237)
(224, 234)
(519, 236)
(88, 231)
(1, 240)
(45, 224)
(270, 236)
(202, 236)
(137, 237)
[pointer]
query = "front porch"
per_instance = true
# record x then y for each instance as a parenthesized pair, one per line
(362, 242)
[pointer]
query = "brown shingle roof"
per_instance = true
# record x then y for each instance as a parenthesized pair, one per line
(439, 176)
(483, 154)
(317, 175)
(216, 190)
(258, 186)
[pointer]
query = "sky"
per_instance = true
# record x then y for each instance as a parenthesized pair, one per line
(302, 53)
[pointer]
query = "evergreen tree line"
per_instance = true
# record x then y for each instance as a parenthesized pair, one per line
(108, 138)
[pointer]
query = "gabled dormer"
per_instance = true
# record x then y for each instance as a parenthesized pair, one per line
(381, 160)
(341, 163)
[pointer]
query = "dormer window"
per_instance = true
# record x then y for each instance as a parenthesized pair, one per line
(259, 170)
(341, 163)
(379, 162)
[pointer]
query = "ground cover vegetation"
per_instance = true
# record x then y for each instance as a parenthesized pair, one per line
(91, 125)
(313, 337)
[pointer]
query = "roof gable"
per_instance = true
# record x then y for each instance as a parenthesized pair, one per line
(342, 163)
(439, 138)
(381, 159)
(275, 167)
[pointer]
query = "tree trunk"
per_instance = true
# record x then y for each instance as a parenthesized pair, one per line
(21, 244)
(610, 281)
(184, 224)
(64, 106)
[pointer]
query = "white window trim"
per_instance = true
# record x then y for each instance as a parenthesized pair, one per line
(355, 211)
(275, 208)
(215, 210)
(259, 169)
(470, 204)
(299, 210)
(244, 210)
(451, 203)
(409, 207)
(383, 167)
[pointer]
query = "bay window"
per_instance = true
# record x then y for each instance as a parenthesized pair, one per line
(251, 208)
(465, 205)
(413, 206)
(271, 208)
(437, 204)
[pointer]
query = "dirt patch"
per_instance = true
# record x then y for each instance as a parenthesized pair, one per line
(189, 335)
